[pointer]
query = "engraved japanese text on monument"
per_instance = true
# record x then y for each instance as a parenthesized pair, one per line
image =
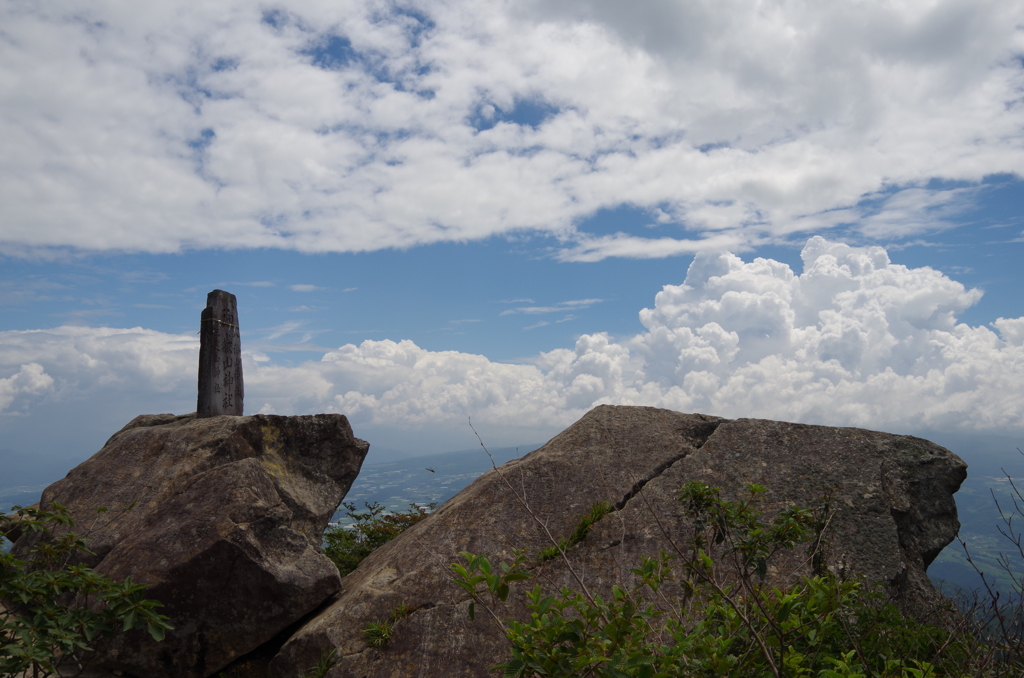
(220, 357)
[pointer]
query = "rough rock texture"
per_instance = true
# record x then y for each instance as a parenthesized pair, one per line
(224, 528)
(893, 496)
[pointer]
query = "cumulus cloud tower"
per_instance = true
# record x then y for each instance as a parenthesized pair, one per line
(853, 339)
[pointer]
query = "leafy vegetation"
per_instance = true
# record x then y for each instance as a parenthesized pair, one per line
(378, 634)
(54, 610)
(709, 610)
(347, 546)
(326, 663)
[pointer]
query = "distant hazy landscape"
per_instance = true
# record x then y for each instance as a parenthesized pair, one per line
(23, 477)
(432, 478)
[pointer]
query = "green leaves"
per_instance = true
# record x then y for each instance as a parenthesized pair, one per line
(378, 634)
(56, 610)
(709, 613)
(371, 529)
(478, 570)
(569, 635)
(326, 662)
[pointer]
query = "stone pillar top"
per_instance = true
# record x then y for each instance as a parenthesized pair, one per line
(220, 357)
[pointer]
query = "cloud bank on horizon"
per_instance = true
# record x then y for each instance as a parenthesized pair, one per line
(357, 125)
(853, 339)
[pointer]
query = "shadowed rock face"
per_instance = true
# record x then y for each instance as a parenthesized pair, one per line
(892, 495)
(224, 527)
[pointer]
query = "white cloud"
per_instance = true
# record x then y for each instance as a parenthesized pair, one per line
(219, 124)
(304, 288)
(852, 339)
(560, 307)
(581, 303)
(283, 329)
(1011, 330)
(29, 380)
(74, 362)
(590, 249)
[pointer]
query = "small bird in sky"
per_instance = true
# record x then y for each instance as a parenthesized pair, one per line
(431, 470)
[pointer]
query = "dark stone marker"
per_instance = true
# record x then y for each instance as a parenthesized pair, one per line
(220, 357)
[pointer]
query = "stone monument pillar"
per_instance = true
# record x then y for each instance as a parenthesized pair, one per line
(220, 357)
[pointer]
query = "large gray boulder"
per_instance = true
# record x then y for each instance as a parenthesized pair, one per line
(892, 495)
(221, 518)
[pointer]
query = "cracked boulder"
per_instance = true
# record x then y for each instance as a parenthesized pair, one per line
(892, 495)
(221, 518)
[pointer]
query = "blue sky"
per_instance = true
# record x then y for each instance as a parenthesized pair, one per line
(430, 211)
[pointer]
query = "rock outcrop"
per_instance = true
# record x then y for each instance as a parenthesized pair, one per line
(222, 519)
(892, 495)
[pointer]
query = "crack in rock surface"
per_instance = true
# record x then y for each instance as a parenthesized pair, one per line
(600, 458)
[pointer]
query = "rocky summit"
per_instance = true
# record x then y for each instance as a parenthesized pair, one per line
(892, 496)
(221, 518)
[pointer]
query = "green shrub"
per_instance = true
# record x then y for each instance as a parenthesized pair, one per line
(54, 610)
(706, 610)
(326, 663)
(379, 634)
(371, 529)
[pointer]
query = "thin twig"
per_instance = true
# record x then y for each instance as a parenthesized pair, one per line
(526, 507)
